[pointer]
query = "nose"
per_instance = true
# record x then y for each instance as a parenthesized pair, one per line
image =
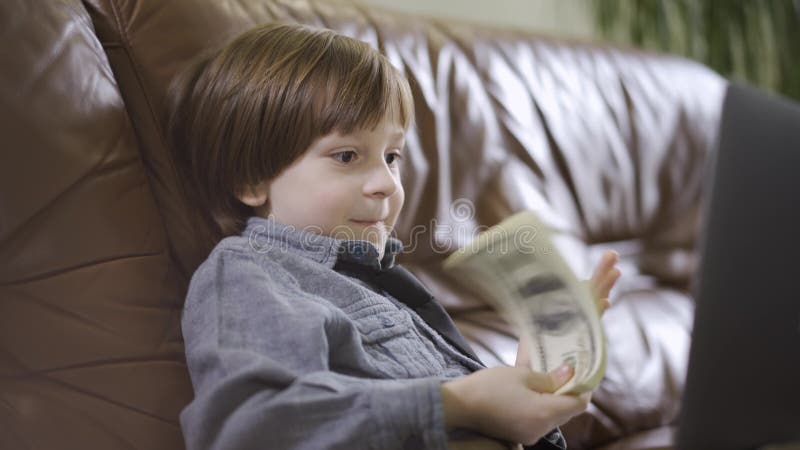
(381, 182)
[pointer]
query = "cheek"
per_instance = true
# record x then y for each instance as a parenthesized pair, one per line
(396, 202)
(401, 197)
(331, 202)
(300, 198)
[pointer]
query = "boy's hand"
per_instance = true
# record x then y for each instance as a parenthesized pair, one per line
(603, 279)
(511, 403)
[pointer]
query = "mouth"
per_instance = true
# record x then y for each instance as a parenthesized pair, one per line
(368, 223)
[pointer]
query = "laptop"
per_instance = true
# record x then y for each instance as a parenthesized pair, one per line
(743, 381)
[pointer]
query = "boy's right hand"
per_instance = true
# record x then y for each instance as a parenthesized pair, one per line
(511, 403)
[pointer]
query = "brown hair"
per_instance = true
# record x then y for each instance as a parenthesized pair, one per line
(244, 112)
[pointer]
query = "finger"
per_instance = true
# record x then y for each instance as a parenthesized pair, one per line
(609, 258)
(608, 281)
(602, 305)
(539, 382)
(523, 357)
(551, 381)
(606, 265)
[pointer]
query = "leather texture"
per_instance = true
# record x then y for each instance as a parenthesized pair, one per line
(608, 145)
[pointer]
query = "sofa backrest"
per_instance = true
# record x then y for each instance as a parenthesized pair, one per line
(608, 145)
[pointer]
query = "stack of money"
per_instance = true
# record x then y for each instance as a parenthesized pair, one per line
(515, 267)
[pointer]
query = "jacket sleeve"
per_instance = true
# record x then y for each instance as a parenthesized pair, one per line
(259, 367)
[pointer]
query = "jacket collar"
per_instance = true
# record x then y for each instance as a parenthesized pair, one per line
(267, 233)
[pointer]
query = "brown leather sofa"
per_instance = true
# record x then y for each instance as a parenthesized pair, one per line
(608, 145)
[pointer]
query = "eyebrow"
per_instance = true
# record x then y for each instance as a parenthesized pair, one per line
(394, 136)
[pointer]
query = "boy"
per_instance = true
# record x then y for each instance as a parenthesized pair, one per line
(300, 330)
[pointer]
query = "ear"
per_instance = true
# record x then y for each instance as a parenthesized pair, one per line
(255, 196)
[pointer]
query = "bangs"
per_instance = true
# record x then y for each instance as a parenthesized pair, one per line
(361, 89)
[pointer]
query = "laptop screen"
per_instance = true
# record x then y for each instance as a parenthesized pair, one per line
(743, 383)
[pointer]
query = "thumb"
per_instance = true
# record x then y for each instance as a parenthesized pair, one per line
(523, 357)
(551, 381)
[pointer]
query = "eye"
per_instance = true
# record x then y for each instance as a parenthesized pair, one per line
(345, 156)
(391, 158)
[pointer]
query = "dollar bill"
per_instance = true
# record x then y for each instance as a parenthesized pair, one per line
(515, 267)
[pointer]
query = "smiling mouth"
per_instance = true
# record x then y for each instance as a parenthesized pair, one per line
(367, 222)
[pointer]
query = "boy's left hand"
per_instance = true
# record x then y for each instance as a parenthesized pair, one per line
(603, 279)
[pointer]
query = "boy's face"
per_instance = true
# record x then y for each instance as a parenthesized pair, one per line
(344, 186)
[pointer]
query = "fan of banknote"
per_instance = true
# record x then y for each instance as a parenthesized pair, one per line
(515, 266)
